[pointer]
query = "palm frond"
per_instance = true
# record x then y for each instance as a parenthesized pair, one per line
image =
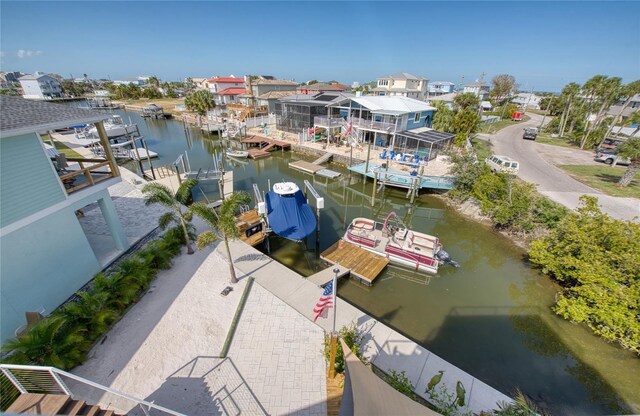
(205, 239)
(158, 194)
(205, 213)
(183, 194)
(166, 219)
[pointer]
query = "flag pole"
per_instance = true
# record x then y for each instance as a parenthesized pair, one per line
(334, 334)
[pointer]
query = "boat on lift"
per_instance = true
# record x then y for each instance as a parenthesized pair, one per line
(288, 212)
(402, 246)
(116, 127)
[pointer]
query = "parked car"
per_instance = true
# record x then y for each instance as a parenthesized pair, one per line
(503, 164)
(530, 133)
(609, 156)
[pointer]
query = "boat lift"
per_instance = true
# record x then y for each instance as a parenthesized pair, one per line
(319, 206)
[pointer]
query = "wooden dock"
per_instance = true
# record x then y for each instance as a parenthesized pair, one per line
(364, 265)
(256, 153)
(248, 220)
(266, 143)
(305, 166)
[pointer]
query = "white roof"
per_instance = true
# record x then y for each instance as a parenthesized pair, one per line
(486, 104)
(441, 83)
(402, 75)
(626, 131)
(395, 104)
(444, 97)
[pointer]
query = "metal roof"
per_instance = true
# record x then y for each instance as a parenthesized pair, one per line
(402, 75)
(20, 116)
(275, 94)
(426, 134)
(273, 82)
(322, 98)
(394, 104)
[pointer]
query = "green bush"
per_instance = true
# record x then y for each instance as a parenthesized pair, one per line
(352, 336)
(401, 383)
(64, 338)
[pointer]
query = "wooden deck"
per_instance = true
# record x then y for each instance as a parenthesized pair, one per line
(256, 153)
(248, 220)
(305, 166)
(364, 265)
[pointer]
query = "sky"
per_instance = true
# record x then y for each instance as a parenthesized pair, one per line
(545, 45)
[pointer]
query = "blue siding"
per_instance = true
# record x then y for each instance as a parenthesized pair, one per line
(426, 117)
(65, 262)
(27, 182)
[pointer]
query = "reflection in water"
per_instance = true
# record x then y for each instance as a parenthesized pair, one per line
(491, 316)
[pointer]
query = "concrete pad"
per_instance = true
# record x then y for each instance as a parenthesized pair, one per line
(401, 354)
(451, 376)
(376, 335)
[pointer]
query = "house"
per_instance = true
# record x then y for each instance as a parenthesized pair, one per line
(8, 79)
(218, 84)
(200, 83)
(395, 122)
(447, 99)
(632, 107)
(323, 87)
(402, 84)
(228, 96)
(259, 87)
(440, 88)
(295, 113)
(527, 100)
(46, 255)
(270, 99)
(478, 88)
(40, 86)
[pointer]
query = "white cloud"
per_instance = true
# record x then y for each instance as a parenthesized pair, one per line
(27, 53)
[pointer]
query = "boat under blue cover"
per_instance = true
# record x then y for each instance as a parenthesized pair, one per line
(290, 216)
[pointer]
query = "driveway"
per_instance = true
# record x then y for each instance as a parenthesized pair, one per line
(538, 166)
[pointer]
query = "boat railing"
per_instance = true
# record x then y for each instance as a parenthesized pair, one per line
(22, 379)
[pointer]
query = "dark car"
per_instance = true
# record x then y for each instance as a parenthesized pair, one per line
(530, 133)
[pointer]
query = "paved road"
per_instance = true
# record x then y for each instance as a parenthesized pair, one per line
(536, 166)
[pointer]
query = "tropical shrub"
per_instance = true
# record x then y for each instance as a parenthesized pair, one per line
(597, 260)
(64, 338)
(400, 382)
(353, 337)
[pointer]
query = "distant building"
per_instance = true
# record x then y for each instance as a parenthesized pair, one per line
(200, 83)
(479, 89)
(258, 87)
(633, 106)
(527, 100)
(295, 113)
(270, 99)
(447, 99)
(323, 87)
(402, 84)
(440, 88)
(218, 84)
(40, 86)
(8, 79)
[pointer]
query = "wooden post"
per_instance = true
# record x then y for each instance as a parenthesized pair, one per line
(366, 165)
(144, 144)
(104, 141)
(332, 355)
(375, 184)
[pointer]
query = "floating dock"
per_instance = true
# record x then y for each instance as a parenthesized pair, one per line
(364, 265)
(314, 167)
(403, 179)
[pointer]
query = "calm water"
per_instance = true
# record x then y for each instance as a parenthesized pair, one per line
(490, 317)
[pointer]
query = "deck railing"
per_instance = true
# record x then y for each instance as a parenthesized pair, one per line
(97, 171)
(381, 126)
(329, 122)
(20, 379)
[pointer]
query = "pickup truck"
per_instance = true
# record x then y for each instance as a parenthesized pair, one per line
(530, 133)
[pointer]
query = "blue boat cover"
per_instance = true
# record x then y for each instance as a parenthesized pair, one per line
(290, 216)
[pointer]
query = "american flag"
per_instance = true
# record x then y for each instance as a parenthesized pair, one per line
(325, 301)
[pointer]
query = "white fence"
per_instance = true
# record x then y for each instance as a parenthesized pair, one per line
(256, 121)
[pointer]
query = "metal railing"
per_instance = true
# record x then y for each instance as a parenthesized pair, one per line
(50, 380)
(329, 122)
(381, 126)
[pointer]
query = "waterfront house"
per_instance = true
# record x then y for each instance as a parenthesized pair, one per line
(397, 123)
(479, 89)
(402, 84)
(632, 107)
(270, 99)
(319, 87)
(259, 87)
(40, 86)
(440, 88)
(218, 84)
(45, 254)
(295, 113)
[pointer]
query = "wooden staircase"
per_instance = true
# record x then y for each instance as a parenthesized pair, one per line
(55, 404)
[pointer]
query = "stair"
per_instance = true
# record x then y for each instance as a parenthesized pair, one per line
(55, 404)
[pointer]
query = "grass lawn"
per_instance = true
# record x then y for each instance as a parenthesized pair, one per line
(604, 178)
(482, 148)
(168, 104)
(556, 141)
(62, 148)
(493, 128)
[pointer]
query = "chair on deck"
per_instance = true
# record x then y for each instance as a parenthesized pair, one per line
(62, 168)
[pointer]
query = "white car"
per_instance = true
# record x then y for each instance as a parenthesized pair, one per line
(503, 164)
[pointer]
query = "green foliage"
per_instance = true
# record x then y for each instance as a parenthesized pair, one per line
(64, 338)
(401, 383)
(443, 119)
(597, 259)
(503, 86)
(446, 403)
(75, 89)
(466, 101)
(200, 102)
(351, 336)
(466, 170)
(151, 93)
(521, 406)
(630, 149)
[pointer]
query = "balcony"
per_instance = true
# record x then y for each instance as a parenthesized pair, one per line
(329, 122)
(79, 173)
(380, 126)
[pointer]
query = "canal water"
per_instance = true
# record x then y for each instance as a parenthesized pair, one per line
(491, 317)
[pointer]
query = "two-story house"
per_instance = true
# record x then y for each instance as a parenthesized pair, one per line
(40, 86)
(440, 88)
(45, 254)
(527, 100)
(479, 89)
(225, 90)
(318, 87)
(402, 84)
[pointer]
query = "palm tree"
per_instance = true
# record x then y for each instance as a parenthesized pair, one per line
(569, 92)
(161, 194)
(199, 101)
(222, 223)
(630, 149)
(91, 311)
(155, 81)
(629, 90)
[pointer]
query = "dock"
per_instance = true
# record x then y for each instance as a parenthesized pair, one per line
(257, 153)
(326, 275)
(314, 167)
(363, 265)
(403, 179)
(248, 220)
(266, 143)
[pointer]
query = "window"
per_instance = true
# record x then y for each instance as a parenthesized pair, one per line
(417, 118)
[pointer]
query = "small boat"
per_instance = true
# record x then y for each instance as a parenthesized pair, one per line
(400, 245)
(240, 154)
(288, 212)
(115, 127)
